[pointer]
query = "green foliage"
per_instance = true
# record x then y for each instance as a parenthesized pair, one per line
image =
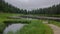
(13, 21)
(8, 8)
(2, 26)
(55, 9)
(3, 16)
(36, 27)
(54, 22)
(10, 32)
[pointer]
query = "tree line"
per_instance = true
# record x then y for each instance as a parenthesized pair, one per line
(55, 9)
(8, 8)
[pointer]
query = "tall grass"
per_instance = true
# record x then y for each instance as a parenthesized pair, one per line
(35, 27)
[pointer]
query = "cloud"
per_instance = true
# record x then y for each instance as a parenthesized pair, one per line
(32, 4)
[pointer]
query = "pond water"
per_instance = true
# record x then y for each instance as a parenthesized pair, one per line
(13, 28)
(30, 19)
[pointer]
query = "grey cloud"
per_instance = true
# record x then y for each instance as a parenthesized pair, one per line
(32, 4)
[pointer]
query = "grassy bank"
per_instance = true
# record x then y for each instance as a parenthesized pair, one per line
(35, 27)
(54, 22)
(3, 17)
(48, 15)
(2, 27)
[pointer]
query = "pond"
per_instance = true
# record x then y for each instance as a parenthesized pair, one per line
(13, 28)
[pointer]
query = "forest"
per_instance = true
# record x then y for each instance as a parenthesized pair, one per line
(8, 8)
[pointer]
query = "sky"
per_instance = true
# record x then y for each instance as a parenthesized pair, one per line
(32, 4)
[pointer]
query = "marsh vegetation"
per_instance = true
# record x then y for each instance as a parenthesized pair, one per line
(13, 16)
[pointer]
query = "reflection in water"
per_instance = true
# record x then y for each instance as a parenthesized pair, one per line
(13, 28)
(30, 19)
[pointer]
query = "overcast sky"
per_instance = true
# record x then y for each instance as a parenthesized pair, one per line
(32, 4)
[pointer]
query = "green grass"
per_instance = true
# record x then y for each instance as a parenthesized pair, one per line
(54, 22)
(3, 16)
(35, 27)
(2, 27)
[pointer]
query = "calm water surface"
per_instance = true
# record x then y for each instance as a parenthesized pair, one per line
(13, 28)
